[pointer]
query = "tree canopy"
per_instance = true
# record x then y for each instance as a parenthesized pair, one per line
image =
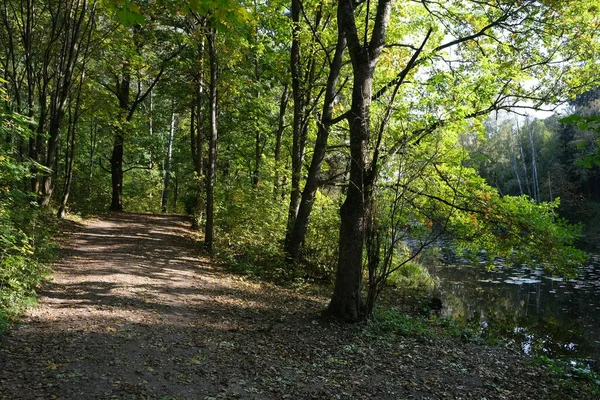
(310, 138)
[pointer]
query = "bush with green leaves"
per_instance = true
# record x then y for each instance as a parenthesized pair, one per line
(24, 230)
(411, 275)
(320, 251)
(251, 228)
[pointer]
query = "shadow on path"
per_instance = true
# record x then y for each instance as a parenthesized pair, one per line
(136, 312)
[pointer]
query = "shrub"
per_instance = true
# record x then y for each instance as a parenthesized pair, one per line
(24, 230)
(250, 230)
(411, 275)
(320, 251)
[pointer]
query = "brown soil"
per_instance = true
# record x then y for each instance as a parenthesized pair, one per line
(136, 312)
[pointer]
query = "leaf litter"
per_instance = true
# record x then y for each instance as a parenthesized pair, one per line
(135, 311)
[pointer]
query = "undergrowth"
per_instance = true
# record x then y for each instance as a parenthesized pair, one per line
(572, 375)
(251, 232)
(27, 247)
(25, 230)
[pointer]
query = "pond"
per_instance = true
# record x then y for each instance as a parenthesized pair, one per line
(542, 314)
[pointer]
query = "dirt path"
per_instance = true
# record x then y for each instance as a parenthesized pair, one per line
(134, 312)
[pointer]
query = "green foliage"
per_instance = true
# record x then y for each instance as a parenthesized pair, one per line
(521, 231)
(426, 182)
(411, 275)
(142, 191)
(128, 13)
(591, 157)
(250, 229)
(430, 326)
(568, 369)
(320, 251)
(25, 231)
(394, 321)
(21, 269)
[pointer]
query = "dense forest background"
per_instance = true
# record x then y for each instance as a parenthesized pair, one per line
(305, 138)
(547, 159)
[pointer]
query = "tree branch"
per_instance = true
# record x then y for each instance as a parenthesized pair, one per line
(409, 66)
(140, 98)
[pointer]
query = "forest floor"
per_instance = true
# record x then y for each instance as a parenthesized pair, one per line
(135, 311)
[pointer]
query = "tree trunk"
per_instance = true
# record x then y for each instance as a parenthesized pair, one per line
(257, 157)
(70, 154)
(127, 109)
(70, 161)
(116, 172)
(212, 142)
(51, 152)
(534, 173)
(346, 300)
(193, 150)
(27, 38)
(297, 124)
(198, 141)
(92, 154)
(72, 26)
(167, 180)
(278, 139)
(513, 160)
(116, 160)
(73, 122)
(526, 172)
(312, 181)
(258, 142)
(150, 117)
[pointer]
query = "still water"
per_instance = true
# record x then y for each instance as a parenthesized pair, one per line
(542, 314)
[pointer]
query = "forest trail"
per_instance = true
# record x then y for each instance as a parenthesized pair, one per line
(136, 312)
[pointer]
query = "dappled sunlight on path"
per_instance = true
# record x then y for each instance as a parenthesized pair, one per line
(135, 311)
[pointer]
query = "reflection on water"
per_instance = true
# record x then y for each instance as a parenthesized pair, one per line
(545, 315)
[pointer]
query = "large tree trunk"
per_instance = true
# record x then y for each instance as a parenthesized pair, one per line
(212, 143)
(298, 118)
(346, 300)
(198, 138)
(116, 159)
(312, 181)
(116, 172)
